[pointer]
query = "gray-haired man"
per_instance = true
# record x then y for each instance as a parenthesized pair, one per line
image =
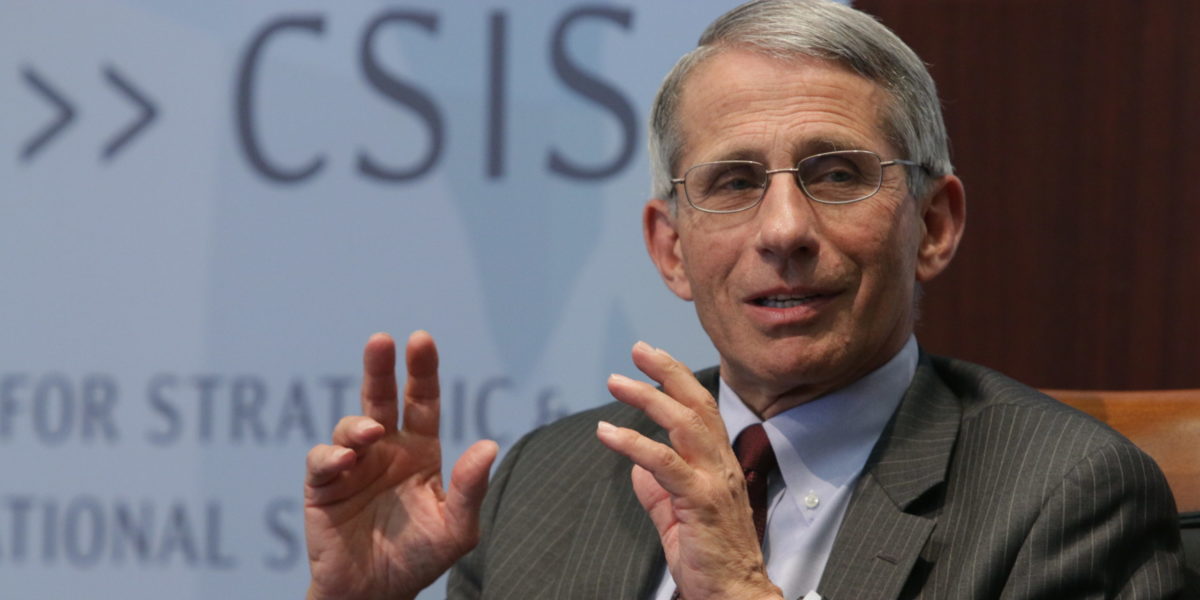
(802, 193)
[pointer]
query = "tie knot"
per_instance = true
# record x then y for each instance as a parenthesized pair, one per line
(753, 450)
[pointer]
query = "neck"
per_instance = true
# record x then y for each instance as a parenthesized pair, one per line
(766, 403)
(768, 395)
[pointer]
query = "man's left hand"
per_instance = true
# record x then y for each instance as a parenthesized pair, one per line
(693, 489)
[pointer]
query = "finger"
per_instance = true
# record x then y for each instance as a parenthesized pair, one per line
(421, 390)
(468, 486)
(689, 433)
(678, 382)
(668, 468)
(325, 462)
(379, 381)
(356, 432)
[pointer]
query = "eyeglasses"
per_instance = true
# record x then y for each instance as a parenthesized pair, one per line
(840, 177)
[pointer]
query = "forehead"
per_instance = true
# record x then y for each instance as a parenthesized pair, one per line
(743, 104)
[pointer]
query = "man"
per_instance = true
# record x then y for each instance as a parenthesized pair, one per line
(802, 193)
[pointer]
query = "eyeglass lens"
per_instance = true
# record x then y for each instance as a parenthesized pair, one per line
(836, 177)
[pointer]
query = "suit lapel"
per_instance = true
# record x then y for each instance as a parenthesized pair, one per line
(886, 528)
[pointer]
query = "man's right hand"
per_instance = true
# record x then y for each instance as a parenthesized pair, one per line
(377, 522)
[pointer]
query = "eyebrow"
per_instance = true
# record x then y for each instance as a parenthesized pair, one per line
(799, 150)
(811, 146)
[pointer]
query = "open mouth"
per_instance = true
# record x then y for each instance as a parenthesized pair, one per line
(786, 301)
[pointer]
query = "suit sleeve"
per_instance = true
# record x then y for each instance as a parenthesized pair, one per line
(1108, 531)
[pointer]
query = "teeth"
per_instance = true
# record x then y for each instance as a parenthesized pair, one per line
(784, 301)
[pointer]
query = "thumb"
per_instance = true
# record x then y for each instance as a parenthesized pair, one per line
(468, 486)
(653, 498)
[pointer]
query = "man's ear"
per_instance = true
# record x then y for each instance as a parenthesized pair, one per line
(662, 242)
(944, 216)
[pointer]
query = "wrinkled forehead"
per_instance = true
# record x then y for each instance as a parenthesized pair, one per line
(816, 104)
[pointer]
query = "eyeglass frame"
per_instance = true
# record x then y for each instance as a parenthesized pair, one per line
(795, 171)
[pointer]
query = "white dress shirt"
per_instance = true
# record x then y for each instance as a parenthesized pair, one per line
(821, 447)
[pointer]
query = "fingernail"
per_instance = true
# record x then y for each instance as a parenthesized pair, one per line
(605, 428)
(643, 346)
(366, 428)
(619, 378)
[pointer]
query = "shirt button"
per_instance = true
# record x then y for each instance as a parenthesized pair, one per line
(811, 500)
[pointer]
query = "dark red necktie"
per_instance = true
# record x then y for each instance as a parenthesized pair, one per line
(754, 454)
(757, 458)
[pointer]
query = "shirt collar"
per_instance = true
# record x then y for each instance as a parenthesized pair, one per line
(829, 438)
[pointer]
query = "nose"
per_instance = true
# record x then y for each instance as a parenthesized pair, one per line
(786, 219)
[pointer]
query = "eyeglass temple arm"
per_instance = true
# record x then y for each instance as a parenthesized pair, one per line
(907, 163)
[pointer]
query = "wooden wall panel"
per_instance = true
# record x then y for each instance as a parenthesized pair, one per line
(1074, 126)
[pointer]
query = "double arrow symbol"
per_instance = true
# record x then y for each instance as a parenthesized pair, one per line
(66, 113)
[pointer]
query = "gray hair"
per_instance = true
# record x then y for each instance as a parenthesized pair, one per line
(787, 29)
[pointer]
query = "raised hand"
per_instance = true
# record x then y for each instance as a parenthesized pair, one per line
(693, 490)
(378, 523)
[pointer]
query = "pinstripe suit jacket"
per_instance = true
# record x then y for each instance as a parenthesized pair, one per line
(979, 487)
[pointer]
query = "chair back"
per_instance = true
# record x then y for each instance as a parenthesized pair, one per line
(1166, 425)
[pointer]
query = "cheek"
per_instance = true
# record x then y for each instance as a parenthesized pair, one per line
(708, 263)
(895, 266)
(885, 255)
(699, 269)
